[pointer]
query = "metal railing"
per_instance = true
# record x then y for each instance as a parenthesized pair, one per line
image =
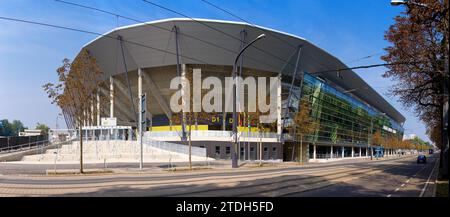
(27, 146)
(335, 156)
(213, 133)
(173, 147)
(102, 138)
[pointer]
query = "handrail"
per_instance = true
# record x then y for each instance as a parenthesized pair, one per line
(25, 146)
(214, 133)
(173, 147)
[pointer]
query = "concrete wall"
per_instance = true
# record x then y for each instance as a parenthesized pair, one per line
(110, 151)
(211, 149)
(17, 156)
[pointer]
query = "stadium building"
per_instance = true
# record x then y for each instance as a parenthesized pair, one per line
(143, 58)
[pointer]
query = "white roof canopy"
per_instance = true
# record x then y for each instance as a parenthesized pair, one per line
(216, 42)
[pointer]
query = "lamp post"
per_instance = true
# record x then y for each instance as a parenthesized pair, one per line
(234, 163)
(406, 2)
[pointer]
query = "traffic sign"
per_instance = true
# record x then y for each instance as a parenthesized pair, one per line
(142, 126)
(143, 117)
(109, 122)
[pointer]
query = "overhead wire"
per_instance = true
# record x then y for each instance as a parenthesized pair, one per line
(365, 57)
(217, 30)
(94, 33)
(144, 23)
(284, 41)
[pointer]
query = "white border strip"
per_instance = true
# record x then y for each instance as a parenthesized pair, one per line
(428, 180)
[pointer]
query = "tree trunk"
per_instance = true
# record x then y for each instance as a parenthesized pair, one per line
(260, 149)
(301, 149)
(190, 144)
(293, 142)
(81, 148)
(371, 153)
(293, 151)
(190, 151)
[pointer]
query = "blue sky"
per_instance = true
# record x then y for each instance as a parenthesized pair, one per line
(29, 55)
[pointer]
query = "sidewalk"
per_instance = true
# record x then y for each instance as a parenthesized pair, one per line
(430, 187)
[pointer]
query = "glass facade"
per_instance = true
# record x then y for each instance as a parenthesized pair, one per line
(342, 119)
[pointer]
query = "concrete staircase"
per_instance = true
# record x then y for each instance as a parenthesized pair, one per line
(109, 151)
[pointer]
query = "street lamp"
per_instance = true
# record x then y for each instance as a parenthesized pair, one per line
(234, 163)
(406, 2)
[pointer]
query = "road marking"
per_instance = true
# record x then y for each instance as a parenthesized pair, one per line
(402, 185)
(389, 195)
(407, 181)
(428, 180)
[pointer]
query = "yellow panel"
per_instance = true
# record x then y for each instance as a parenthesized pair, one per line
(203, 128)
(177, 128)
(252, 129)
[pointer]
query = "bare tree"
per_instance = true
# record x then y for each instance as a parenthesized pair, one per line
(76, 90)
(190, 117)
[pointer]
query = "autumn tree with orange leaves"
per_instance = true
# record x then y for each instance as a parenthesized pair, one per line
(419, 40)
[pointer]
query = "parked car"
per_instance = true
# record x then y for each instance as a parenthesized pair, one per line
(421, 159)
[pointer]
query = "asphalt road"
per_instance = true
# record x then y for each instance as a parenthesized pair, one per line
(407, 180)
(387, 178)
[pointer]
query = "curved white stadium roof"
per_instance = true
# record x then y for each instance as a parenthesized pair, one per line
(217, 42)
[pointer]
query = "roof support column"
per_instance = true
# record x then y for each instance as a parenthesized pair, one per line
(154, 90)
(84, 118)
(181, 72)
(141, 117)
(91, 119)
(279, 130)
(183, 102)
(243, 36)
(121, 107)
(111, 97)
(127, 79)
(139, 84)
(314, 151)
(331, 153)
(286, 115)
(98, 108)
